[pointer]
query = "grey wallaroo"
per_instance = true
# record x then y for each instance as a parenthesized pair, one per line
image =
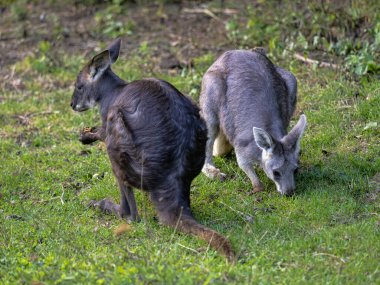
(247, 103)
(155, 140)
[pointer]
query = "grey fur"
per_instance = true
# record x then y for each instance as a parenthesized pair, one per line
(248, 102)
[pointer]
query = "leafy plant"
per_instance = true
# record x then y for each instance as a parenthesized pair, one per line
(364, 57)
(40, 61)
(109, 25)
(19, 9)
(349, 32)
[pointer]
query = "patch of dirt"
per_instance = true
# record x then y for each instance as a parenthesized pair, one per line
(375, 180)
(373, 195)
(176, 33)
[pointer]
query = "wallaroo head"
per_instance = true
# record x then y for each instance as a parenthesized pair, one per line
(89, 81)
(279, 159)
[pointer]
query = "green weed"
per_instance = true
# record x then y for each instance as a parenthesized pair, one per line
(349, 30)
(109, 25)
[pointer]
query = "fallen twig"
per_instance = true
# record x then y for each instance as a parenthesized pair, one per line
(30, 115)
(42, 113)
(211, 13)
(317, 62)
(245, 217)
(43, 201)
(260, 239)
(63, 193)
(330, 255)
(214, 10)
(189, 248)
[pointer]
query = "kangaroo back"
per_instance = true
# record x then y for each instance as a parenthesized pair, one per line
(169, 181)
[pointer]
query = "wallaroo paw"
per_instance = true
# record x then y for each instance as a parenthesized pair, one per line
(257, 188)
(213, 172)
(85, 139)
(86, 130)
(128, 216)
(106, 206)
(89, 130)
(131, 219)
(88, 135)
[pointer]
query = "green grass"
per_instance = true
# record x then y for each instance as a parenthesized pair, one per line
(328, 233)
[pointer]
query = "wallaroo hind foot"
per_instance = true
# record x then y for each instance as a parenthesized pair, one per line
(213, 172)
(108, 207)
(258, 188)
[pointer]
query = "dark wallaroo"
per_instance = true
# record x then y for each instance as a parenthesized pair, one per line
(155, 140)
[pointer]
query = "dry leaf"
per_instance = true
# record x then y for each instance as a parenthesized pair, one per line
(121, 229)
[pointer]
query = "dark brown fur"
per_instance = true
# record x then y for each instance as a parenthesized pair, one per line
(155, 140)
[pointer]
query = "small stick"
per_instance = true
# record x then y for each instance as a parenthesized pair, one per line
(329, 254)
(204, 11)
(214, 10)
(245, 217)
(63, 193)
(313, 61)
(189, 248)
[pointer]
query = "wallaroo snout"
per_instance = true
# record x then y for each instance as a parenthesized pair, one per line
(247, 103)
(155, 140)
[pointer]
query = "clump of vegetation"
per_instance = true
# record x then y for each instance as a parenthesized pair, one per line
(41, 60)
(109, 25)
(19, 9)
(346, 29)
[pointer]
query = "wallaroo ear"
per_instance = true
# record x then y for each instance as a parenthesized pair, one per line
(99, 64)
(293, 139)
(262, 139)
(114, 49)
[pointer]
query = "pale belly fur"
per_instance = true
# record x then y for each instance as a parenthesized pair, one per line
(221, 145)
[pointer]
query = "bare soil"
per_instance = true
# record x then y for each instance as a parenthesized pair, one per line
(176, 33)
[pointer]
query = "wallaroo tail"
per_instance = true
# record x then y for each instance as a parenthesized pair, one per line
(155, 140)
(214, 239)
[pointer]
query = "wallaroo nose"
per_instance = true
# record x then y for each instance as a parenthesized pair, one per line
(71, 104)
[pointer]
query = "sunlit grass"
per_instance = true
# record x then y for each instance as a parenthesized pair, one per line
(327, 233)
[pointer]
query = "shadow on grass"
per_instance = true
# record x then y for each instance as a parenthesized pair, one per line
(338, 175)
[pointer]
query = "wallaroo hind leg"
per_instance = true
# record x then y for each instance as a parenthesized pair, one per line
(209, 168)
(244, 161)
(127, 208)
(178, 215)
(213, 88)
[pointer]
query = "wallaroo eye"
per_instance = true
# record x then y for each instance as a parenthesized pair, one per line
(79, 87)
(276, 174)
